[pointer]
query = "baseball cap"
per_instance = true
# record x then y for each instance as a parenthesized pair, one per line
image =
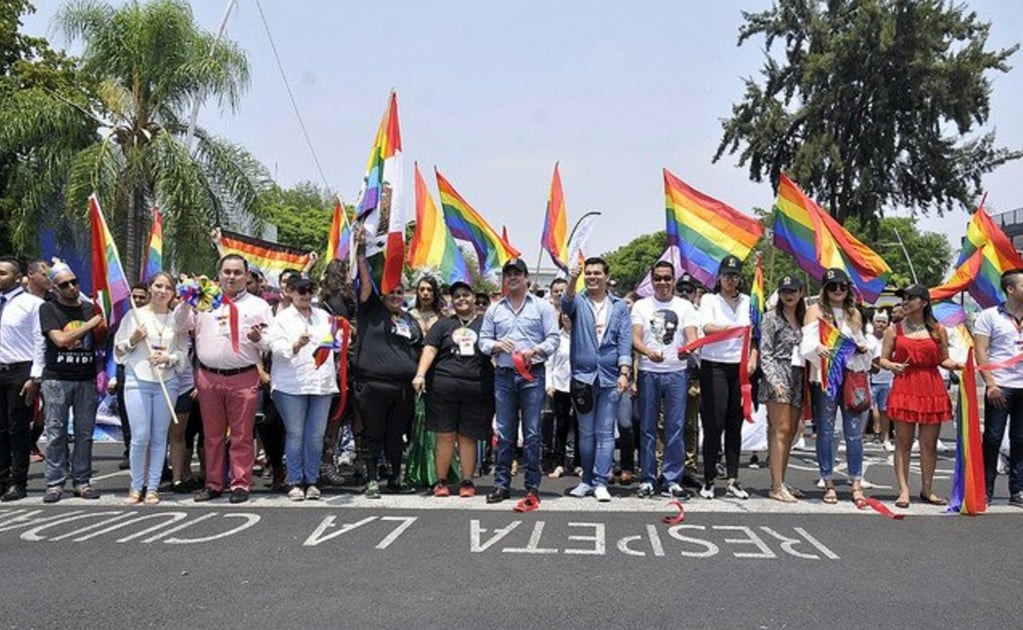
(914, 291)
(730, 264)
(790, 283)
(836, 275)
(515, 263)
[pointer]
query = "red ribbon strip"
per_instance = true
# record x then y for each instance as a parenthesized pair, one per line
(744, 383)
(521, 367)
(678, 517)
(1008, 363)
(232, 320)
(880, 508)
(342, 372)
(721, 335)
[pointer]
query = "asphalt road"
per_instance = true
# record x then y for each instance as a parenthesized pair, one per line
(416, 561)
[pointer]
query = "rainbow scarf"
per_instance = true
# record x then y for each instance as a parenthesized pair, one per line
(554, 239)
(432, 246)
(109, 284)
(841, 348)
(968, 488)
(153, 263)
(705, 230)
(818, 242)
(987, 253)
(466, 224)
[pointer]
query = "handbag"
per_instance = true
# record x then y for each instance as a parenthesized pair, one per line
(582, 396)
(856, 391)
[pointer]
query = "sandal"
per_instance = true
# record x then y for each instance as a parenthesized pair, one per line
(781, 493)
(830, 496)
(933, 499)
(857, 497)
(134, 498)
(902, 504)
(152, 498)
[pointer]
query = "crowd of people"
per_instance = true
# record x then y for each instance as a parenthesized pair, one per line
(511, 381)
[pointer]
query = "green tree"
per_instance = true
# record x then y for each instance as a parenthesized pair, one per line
(302, 214)
(630, 262)
(872, 104)
(148, 63)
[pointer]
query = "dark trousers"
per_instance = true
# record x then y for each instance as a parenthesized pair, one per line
(270, 429)
(386, 410)
(995, 421)
(15, 420)
(561, 420)
(721, 412)
(122, 410)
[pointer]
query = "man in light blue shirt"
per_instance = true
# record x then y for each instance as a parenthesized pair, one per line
(520, 331)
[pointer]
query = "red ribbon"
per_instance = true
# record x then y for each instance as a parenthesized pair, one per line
(678, 517)
(232, 321)
(744, 383)
(342, 372)
(521, 367)
(721, 335)
(1008, 363)
(879, 507)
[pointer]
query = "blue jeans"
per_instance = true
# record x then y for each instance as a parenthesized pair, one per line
(59, 397)
(305, 422)
(824, 410)
(994, 428)
(150, 418)
(518, 399)
(597, 436)
(672, 388)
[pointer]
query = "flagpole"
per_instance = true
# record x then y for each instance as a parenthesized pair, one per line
(196, 103)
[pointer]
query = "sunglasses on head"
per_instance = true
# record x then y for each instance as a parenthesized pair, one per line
(73, 282)
(837, 286)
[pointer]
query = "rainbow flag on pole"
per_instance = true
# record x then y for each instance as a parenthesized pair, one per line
(153, 262)
(757, 303)
(466, 224)
(554, 239)
(818, 242)
(841, 348)
(987, 253)
(968, 488)
(265, 256)
(110, 289)
(705, 230)
(432, 245)
(339, 239)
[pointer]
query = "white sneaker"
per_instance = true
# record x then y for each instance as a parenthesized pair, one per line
(582, 490)
(312, 493)
(820, 483)
(800, 444)
(296, 494)
(602, 494)
(916, 447)
(707, 491)
(888, 446)
(735, 490)
(941, 447)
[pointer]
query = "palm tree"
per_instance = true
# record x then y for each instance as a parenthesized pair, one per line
(145, 65)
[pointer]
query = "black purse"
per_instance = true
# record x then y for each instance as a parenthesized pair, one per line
(582, 396)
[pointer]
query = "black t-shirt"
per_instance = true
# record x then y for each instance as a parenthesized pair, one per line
(460, 367)
(387, 346)
(77, 363)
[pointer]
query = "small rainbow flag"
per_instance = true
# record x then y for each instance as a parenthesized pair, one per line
(466, 224)
(705, 230)
(757, 303)
(265, 256)
(968, 487)
(987, 253)
(327, 345)
(554, 239)
(110, 289)
(953, 317)
(432, 245)
(339, 239)
(841, 348)
(818, 242)
(153, 262)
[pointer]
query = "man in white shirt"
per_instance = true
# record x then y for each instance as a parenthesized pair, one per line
(20, 368)
(661, 324)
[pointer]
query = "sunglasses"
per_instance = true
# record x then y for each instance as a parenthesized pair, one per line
(731, 276)
(837, 287)
(304, 290)
(663, 278)
(73, 282)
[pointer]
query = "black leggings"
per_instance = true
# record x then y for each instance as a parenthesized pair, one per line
(386, 408)
(720, 412)
(271, 433)
(563, 420)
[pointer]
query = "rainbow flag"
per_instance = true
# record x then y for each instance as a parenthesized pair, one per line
(328, 344)
(841, 348)
(267, 257)
(996, 256)
(818, 242)
(432, 245)
(383, 167)
(757, 303)
(339, 239)
(466, 224)
(153, 262)
(554, 239)
(705, 230)
(961, 278)
(110, 289)
(953, 317)
(968, 488)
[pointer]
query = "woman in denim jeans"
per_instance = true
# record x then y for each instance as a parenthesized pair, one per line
(836, 306)
(153, 351)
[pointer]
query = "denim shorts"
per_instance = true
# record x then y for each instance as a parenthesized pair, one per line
(879, 394)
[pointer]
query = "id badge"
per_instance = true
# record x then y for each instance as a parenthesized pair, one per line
(402, 329)
(465, 341)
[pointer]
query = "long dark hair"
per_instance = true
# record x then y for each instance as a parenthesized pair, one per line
(335, 284)
(800, 308)
(430, 280)
(931, 322)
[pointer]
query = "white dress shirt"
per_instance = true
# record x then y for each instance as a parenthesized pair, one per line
(297, 374)
(21, 338)
(213, 332)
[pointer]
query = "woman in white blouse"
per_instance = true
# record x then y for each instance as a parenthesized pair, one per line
(300, 390)
(152, 351)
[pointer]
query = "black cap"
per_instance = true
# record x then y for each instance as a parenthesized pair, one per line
(685, 283)
(730, 264)
(790, 283)
(914, 291)
(300, 282)
(459, 284)
(835, 275)
(515, 263)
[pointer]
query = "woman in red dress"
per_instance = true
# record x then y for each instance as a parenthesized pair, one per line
(913, 349)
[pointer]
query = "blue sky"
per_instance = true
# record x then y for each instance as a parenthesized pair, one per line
(494, 94)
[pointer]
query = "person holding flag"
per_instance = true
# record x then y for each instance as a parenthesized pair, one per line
(836, 309)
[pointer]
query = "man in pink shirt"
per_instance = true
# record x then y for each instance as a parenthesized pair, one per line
(227, 381)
